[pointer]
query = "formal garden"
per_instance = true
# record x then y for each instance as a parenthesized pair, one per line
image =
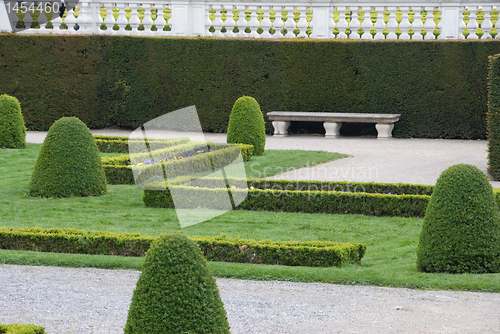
(73, 200)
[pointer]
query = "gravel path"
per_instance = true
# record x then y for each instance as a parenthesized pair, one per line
(67, 300)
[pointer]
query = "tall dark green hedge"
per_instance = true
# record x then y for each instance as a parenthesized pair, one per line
(439, 87)
(494, 118)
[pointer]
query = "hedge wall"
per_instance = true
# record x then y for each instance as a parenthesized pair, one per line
(494, 118)
(439, 87)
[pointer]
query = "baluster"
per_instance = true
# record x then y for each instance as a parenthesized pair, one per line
(217, 22)
(417, 24)
(160, 22)
(354, 24)
(343, 25)
(486, 25)
(239, 21)
(254, 22)
(366, 25)
(334, 18)
(147, 21)
(108, 20)
(405, 24)
(134, 20)
(301, 24)
(461, 24)
(278, 22)
(436, 19)
(379, 24)
(42, 20)
(266, 22)
(28, 19)
(84, 19)
(290, 23)
(480, 22)
(122, 20)
(392, 24)
(473, 25)
(57, 22)
(429, 23)
(71, 21)
(494, 22)
(229, 23)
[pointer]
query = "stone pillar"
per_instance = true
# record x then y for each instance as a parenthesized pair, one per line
(280, 128)
(332, 130)
(450, 20)
(384, 130)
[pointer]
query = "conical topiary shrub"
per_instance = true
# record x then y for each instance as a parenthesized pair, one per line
(176, 292)
(246, 125)
(461, 231)
(69, 163)
(12, 129)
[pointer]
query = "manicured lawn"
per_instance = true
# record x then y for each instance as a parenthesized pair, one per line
(389, 261)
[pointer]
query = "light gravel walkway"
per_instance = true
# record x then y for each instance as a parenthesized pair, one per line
(66, 300)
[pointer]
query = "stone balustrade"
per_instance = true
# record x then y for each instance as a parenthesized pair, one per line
(429, 19)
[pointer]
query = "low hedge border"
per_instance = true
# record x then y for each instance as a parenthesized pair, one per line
(292, 201)
(220, 248)
(342, 186)
(222, 154)
(21, 329)
(114, 144)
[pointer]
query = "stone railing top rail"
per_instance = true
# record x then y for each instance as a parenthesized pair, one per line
(332, 117)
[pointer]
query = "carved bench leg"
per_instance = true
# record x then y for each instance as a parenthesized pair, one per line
(280, 128)
(384, 130)
(332, 130)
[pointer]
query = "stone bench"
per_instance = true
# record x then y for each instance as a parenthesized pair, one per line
(384, 123)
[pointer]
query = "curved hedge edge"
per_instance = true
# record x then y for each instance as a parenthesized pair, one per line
(21, 329)
(220, 248)
(120, 174)
(333, 202)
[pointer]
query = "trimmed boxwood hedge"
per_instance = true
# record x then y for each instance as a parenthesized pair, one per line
(220, 248)
(293, 201)
(118, 170)
(114, 144)
(439, 87)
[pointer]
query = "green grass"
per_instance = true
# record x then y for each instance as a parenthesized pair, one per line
(389, 261)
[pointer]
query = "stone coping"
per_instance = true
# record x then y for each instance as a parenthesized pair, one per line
(332, 117)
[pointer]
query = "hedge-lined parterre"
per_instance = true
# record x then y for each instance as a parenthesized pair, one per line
(220, 248)
(115, 144)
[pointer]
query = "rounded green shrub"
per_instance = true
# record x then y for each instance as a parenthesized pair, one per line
(12, 129)
(246, 125)
(176, 292)
(461, 231)
(69, 163)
